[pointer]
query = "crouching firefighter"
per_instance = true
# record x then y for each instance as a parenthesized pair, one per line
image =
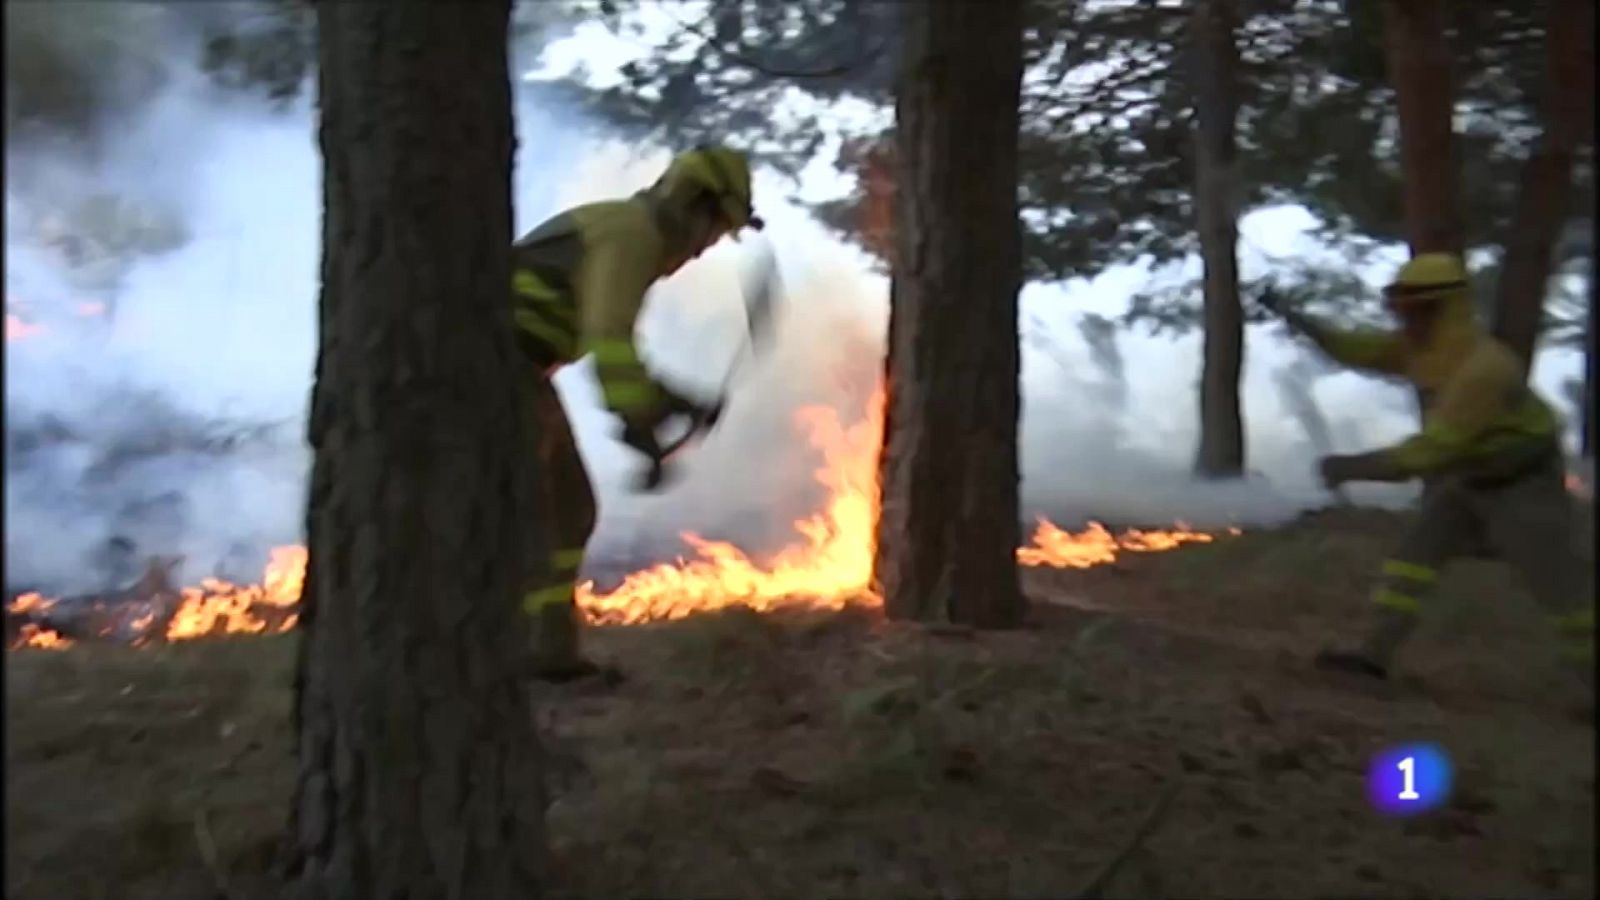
(1489, 450)
(579, 281)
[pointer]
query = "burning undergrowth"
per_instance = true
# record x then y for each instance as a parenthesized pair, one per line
(827, 567)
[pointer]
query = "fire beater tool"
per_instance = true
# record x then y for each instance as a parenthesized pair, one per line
(761, 285)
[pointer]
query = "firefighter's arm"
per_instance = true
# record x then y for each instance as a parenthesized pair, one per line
(1468, 404)
(612, 284)
(1359, 348)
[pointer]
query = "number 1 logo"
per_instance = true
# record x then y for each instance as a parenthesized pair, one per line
(1408, 768)
(1409, 779)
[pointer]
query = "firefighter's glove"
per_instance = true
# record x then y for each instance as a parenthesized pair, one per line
(1337, 470)
(707, 416)
(641, 437)
(702, 415)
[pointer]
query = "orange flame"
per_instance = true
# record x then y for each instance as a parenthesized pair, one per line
(31, 602)
(831, 566)
(828, 567)
(221, 607)
(1095, 546)
(31, 635)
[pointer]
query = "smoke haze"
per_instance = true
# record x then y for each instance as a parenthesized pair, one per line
(172, 416)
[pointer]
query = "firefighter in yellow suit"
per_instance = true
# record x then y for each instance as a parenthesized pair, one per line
(579, 281)
(1489, 449)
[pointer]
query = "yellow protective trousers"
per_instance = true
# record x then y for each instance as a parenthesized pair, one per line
(1527, 522)
(565, 503)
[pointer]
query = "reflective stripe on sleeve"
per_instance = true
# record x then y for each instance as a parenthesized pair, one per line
(628, 396)
(615, 352)
(552, 334)
(527, 284)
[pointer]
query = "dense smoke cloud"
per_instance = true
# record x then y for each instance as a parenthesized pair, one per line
(156, 405)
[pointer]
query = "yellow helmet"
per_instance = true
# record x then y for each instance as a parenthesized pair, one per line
(724, 173)
(1427, 277)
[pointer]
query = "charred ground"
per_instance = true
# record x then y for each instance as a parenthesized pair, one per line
(804, 753)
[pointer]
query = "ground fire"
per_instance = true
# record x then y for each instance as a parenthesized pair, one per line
(828, 567)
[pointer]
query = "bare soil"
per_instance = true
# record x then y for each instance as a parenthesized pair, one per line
(811, 754)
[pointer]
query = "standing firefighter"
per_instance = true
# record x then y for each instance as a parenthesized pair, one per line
(578, 284)
(1489, 448)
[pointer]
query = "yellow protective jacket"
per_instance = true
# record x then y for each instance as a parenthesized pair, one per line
(1479, 416)
(579, 282)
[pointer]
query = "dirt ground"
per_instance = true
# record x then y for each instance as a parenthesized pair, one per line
(810, 755)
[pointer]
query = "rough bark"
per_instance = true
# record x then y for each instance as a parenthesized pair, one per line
(1544, 202)
(1418, 55)
(950, 525)
(1214, 70)
(419, 772)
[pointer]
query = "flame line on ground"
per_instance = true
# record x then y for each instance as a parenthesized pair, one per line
(828, 567)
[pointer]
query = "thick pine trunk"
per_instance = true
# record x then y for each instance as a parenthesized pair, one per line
(1418, 57)
(1544, 202)
(419, 773)
(950, 525)
(1215, 61)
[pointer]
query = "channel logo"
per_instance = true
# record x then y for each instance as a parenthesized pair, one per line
(1409, 779)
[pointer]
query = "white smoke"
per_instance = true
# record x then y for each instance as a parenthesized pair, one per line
(221, 326)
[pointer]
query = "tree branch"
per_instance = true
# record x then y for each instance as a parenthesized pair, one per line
(739, 57)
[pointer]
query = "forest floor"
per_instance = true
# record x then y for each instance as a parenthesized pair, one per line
(811, 754)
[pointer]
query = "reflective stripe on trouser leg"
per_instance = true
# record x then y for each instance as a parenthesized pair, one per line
(1576, 631)
(1404, 586)
(562, 584)
(1398, 600)
(555, 612)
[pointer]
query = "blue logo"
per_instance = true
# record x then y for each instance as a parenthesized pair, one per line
(1409, 779)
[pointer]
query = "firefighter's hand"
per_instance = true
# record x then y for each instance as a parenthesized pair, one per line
(641, 437)
(704, 416)
(708, 415)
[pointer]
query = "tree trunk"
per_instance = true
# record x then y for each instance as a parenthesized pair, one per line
(419, 772)
(950, 526)
(1214, 63)
(1586, 435)
(1418, 56)
(1544, 202)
